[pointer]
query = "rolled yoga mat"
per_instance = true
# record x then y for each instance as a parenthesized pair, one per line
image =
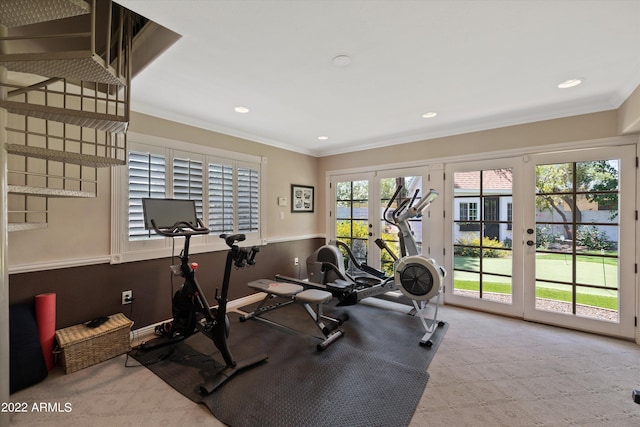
(46, 319)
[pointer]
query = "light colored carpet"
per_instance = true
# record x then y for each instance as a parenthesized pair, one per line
(489, 371)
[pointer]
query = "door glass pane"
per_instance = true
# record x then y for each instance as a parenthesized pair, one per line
(411, 190)
(483, 234)
(597, 270)
(554, 266)
(577, 234)
(496, 288)
(468, 284)
(553, 297)
(496, 261)
(598, 304)
(352, 217)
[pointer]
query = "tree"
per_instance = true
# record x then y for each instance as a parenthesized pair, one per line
(559, 184)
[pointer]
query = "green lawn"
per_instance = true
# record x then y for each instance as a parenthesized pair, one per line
(590, 270)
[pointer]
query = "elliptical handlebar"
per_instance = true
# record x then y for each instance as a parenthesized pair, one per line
(393, 199)
(426, 200)
(405, 209)
(405, 204)
(181, 229)
(347, 249)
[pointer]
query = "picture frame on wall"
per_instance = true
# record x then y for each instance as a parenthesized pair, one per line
(302, 198)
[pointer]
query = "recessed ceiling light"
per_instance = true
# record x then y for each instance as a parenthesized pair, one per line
(569, 83)
(341, 60)
(323, 138)
(242, 110)
(429, 115)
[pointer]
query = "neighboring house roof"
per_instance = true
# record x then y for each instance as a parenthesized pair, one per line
(493, 179)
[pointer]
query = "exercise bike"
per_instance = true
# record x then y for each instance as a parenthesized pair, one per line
(190, 308)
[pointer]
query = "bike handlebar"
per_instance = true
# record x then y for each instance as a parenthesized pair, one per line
(181, 228)
(241, 256)
(232, 239)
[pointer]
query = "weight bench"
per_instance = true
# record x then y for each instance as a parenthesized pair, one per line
(289, 293)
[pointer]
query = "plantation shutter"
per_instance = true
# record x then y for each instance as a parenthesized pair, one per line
(248, 199)
(221, 200)
(188, 181)
(147, 179)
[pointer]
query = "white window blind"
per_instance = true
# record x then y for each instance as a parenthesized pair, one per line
(188, 182)
(248, 200)
(221, 198)
(147, 179)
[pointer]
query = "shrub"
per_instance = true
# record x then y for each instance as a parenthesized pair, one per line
(470, 246)
(593, 238)
(544, 237)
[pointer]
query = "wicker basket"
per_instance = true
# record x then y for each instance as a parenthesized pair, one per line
(81, 346)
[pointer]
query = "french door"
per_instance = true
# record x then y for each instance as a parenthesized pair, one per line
(541, 237)
(353, 216)
(358, 214)
(485, 267)
(580, 239)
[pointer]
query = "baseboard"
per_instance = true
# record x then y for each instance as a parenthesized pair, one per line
(138, 335)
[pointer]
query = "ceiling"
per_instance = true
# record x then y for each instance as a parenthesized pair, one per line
(478, 64)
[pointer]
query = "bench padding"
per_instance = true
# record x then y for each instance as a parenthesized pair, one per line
(275, 288)
(313, 296)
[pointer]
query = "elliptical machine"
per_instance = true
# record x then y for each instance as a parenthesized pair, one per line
(191, 310)
(418, 277)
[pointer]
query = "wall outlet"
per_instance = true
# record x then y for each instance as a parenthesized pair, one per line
(127, 297)
(296, 261)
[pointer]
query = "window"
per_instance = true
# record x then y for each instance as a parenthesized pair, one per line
(226, 187)
(468, 211)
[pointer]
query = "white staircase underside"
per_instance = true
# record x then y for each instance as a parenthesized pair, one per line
(89, 119)
(47, 192)
(15, 13)
(24, 226)
(77, 65)
(64, 156)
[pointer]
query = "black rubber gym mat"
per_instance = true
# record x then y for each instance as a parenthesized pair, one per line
(374, 375)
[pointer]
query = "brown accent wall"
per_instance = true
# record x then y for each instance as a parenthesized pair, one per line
(84, 293)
